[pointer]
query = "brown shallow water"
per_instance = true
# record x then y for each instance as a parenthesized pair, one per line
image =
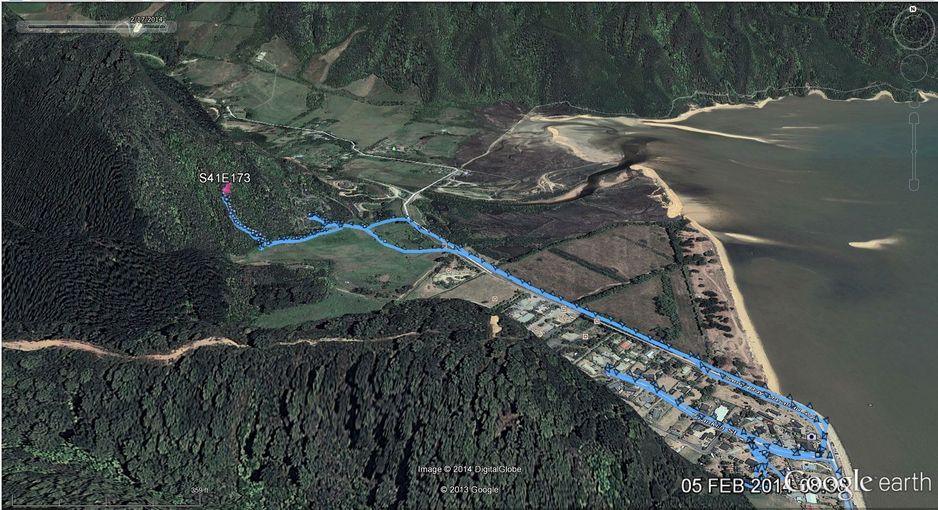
(855, 331)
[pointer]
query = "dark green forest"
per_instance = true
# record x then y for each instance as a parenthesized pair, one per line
(625, 58)
(106, 240)
(615, 57)
(336, 425)
(108, 235)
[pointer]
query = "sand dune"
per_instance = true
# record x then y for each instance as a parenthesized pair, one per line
(675, 209)
(674, 204)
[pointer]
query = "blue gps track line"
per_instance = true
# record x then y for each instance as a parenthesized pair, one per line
(759, 447)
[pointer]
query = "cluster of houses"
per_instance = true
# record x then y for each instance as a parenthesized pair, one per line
(594, 348)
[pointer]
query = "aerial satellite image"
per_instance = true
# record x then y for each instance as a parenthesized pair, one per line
(469, 255)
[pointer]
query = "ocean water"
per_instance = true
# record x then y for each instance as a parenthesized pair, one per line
(853, 330)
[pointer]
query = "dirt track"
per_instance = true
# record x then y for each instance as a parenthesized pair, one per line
(77, 345)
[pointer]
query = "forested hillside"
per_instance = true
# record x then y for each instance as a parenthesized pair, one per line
(108, 233)
(102, 147)
(342, 424)
(616, 57)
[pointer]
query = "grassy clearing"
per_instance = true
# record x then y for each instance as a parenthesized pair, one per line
(629, 251)
(429, 139)
(278, 53)
(405, 236)
(365, 123)
(405, 175)
(216, 29)
(211, 73)
(26, 7)
(485, 290)
(634, 305)
(359, 263)
(336, 304)
(271, 97)
(548, 270)
(265, 95)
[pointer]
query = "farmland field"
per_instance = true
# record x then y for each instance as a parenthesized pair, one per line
(567, 279)
(634, 304)
(690, 339)
(485, 290)
(405, 236)
(358, 262)
(406, 175)
(629, 251)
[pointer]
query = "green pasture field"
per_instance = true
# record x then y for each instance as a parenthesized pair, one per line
(336, 304)
(358, 261)
(405, 236)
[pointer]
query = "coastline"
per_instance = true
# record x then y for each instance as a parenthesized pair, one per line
(675, 208)
(925, 96)
(841, 453)
(695, 212)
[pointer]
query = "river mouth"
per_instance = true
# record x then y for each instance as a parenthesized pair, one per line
(635, 151)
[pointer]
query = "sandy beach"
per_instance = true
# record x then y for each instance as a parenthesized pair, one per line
(720, 275)
(749, 329)
(708, 132)
(694, 110)
(838, 449)
(675, 209)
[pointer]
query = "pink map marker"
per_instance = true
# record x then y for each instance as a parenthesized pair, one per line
(227, 189)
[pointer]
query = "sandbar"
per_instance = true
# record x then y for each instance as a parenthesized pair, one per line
(875, 244)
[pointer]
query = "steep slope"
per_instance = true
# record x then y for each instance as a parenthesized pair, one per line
(108, 233)
(86, 121)
(355, 423)
(616, 57)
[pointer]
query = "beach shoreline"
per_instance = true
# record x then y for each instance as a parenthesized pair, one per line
(925, 96)
(845, 464)
(675, 209)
